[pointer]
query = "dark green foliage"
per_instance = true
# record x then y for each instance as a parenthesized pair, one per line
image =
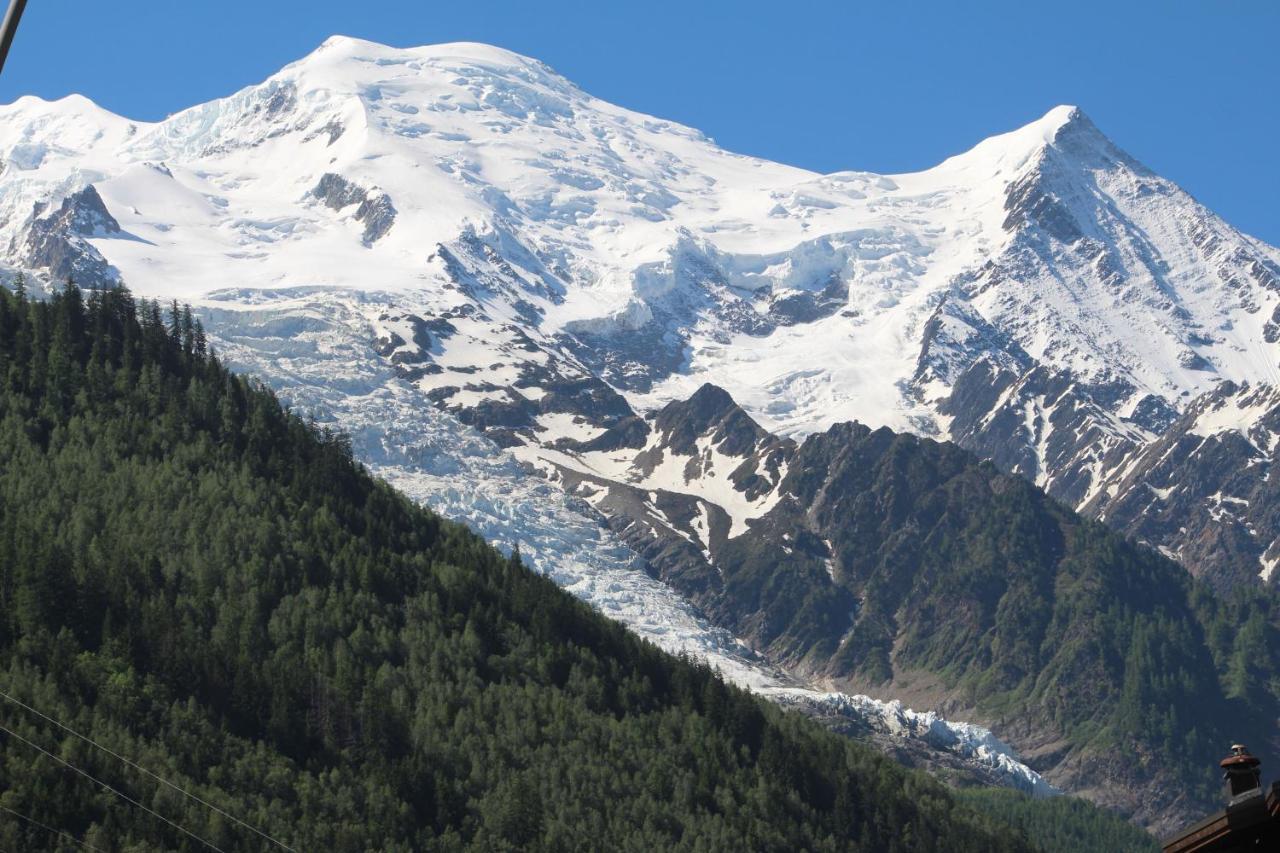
(208, 584)
(1014, 604)
(1243, 632)
(1061, 824)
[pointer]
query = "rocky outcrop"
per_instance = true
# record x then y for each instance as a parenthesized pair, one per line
(1203, 492)
(373, 206)
(58, 243)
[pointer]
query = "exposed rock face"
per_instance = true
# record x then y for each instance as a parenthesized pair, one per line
(1203, 493)
(373, 207)
(791, 307)
(57, 244)
(1044, 426)
(377, 214)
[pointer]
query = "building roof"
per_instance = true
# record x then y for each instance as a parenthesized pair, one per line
(1251, 823)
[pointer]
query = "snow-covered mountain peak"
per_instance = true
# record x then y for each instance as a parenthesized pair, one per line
(1012, 151)
(1052, 122)
(1068, 129)
(476, 77)
(67, 134)
(1064, 132)
(340, 49)
(549, 236)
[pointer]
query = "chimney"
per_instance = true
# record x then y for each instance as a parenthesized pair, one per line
(1240, 772)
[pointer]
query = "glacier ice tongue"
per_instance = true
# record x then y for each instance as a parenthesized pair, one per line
(313, 350)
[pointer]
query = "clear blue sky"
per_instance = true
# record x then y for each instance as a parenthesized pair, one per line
(1191, 87)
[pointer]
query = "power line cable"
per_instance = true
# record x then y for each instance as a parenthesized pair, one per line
(119, 794)
(65, 835)
(144, 770)
(10, 27)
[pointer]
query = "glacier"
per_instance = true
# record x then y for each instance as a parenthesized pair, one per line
(432, 457)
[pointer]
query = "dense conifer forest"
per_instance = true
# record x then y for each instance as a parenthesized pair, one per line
(1061, 824)
(207, 585)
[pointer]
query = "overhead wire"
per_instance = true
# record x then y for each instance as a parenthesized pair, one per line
(50, 829)
(147, 772)
(107, 787)
(9, 28)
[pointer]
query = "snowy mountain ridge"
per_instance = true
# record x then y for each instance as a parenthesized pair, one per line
(609, 223)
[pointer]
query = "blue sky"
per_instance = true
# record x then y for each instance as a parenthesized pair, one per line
(1191, 87)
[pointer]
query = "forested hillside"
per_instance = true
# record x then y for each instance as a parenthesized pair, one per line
(906, 567)
(206, 584)
(900, 567)
(1061, 824)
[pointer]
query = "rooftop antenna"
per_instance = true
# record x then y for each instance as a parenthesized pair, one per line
(10, 28)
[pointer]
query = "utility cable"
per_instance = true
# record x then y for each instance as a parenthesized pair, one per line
(119, 794)
(9, 28)
(35, 822)
(147, 772)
